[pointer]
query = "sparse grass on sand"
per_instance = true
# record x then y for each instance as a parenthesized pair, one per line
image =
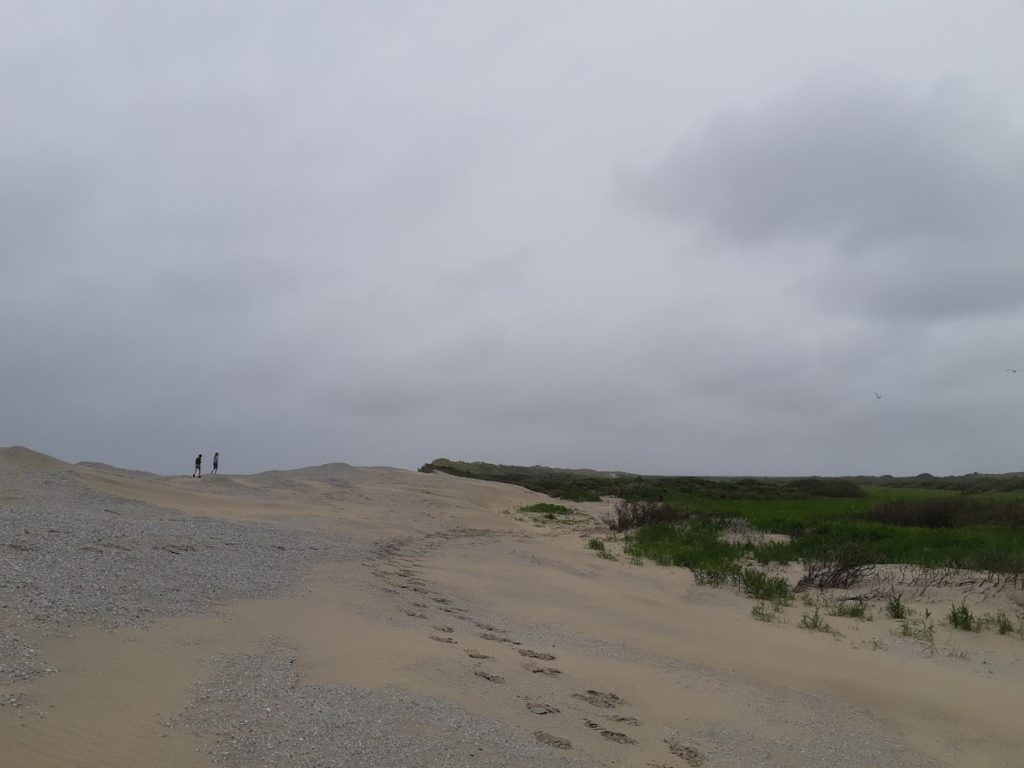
(549, 511)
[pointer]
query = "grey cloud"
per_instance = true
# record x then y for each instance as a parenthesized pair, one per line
(383, 231)
(909, 201)
(864, 164)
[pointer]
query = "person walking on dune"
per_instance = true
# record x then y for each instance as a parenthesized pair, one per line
(216, 461)
(198, 471)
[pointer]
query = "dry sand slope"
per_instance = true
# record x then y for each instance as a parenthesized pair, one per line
(346, 616)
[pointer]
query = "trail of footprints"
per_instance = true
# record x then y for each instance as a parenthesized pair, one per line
(400, 573)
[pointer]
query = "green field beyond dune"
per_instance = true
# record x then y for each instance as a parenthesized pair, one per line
(973, 521)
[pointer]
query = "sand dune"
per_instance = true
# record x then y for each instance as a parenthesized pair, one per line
(418, 620)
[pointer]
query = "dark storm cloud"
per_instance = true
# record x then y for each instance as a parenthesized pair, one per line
(912, 199)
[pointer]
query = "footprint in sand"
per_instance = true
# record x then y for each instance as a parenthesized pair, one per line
(441, 600)
(552, 741)
(419, 605)
(476, 654)
(550, 671)
(623, 720)
(443, 639)
(535, 655)
(541, 709)
(618, 738)
(488, 676)
(416, 615)
(599, 699)
(488, 627)
(444, 628)
(496, 638)
(688, 753)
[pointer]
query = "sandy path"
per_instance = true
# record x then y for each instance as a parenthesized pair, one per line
(466, 609)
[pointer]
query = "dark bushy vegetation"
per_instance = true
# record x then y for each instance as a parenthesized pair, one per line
(970, 484)
(838, 567)
(949, 512)
(630, 515)
(591, 485)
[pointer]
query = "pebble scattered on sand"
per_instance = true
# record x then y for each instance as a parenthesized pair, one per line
(70, 555)
(257, 713)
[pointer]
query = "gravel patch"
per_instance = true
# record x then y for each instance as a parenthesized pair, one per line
(70, 555)
(257, 713)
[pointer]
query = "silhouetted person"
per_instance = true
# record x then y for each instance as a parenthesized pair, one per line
(216, 461)
(198, 471)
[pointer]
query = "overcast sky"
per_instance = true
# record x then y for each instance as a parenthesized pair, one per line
(656, 235)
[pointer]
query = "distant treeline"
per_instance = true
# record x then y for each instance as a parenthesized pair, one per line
(591, 485)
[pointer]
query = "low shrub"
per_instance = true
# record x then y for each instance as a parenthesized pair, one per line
(838, 567)
(630, 515)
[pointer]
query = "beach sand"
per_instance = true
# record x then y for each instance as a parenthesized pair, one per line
(371, 616)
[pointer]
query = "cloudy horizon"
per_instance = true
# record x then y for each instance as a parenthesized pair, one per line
(660, 237)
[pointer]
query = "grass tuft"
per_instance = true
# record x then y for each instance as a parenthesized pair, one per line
(815, 623)
(960, 617)
(1003, 623)
(895, 608)
(761, 586)
(922, 630)
(764, 611)
(854, 608)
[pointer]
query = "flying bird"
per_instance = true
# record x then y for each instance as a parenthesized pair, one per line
(1011, 370)
(877, 396)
